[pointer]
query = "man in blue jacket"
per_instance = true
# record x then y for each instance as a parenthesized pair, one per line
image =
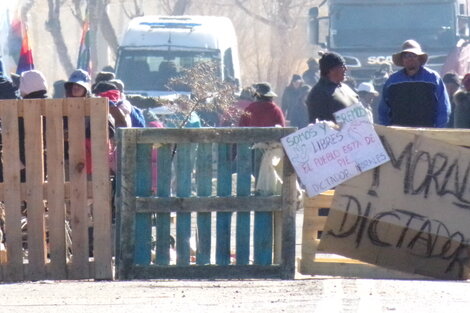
(415, 95)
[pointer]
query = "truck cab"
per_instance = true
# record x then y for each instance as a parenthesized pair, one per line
(156, 48)
(367, 32)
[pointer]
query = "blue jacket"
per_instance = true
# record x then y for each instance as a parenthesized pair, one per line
(420, 100)
(137, 117)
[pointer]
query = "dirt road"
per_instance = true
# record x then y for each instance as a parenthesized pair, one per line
(306, 294)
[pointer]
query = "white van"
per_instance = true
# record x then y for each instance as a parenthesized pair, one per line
(156, 48)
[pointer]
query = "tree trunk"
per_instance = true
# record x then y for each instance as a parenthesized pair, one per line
(54, 27)
(180, 7)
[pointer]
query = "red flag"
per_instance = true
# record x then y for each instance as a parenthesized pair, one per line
(84, 54)
(25, 61)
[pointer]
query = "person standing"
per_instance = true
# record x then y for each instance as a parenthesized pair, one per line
(368, 95)
(291, 95)
(263, 112)
(310, 76)
(330, 94)
(33, 85)
(298, 115)
(462, 104)
(414, 96)
(452, 82)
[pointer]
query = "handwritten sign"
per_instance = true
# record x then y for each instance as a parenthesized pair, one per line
(324, 157)
(411, 214)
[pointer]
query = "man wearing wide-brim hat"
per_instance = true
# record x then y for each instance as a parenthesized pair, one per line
(415, 95)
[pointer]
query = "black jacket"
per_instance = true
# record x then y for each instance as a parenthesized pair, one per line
(7, 90)
(327, 97)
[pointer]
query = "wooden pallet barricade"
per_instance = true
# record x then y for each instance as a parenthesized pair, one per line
(54, 189)
(313, 262)
(206, 205)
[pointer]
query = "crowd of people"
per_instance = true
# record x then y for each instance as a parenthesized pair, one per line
(412, 96)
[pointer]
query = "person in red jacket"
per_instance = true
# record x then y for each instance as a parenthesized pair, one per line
(263, 112)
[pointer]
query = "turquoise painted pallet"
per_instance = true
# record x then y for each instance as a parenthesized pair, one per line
(196, 224)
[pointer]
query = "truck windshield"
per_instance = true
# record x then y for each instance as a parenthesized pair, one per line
(148, 70)
(379, 26)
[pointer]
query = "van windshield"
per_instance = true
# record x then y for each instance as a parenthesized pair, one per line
(148, 70)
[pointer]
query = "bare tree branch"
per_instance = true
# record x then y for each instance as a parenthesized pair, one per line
(136, 12)
(253, 15)
(77, 11)
(25, 9)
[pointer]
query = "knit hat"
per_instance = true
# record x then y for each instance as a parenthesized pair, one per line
(32, 81)
(330, 60)
(79, 77)
(410, 46)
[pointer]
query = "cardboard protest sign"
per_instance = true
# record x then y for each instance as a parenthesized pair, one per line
(411, 214)
(324, 157)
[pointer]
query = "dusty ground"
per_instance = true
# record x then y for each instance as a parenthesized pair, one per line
(305, 294)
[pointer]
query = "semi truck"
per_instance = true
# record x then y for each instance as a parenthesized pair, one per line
(154, 49)
(367, 32)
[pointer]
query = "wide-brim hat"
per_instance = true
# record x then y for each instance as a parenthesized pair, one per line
(367, 88)
(265, 90)
(79, 77)
(410, 46)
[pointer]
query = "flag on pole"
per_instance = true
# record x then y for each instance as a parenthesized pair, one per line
(84, 53)
(25, 61)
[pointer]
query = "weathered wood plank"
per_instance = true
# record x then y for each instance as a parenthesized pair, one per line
(56, 192)
(289, 204)
(263, 225)
(455, 136)
(224, 219)
(118, 203)
(213, 135)
(164, 158)
(22, 189)
(207, 272)
(43, 106)
(127, 150)
(263, 238)
(209, 204)
(34, 197)
(143, 221)
(78, 182)
(184, 166)
(102, 234)
(204, 189)
(13, 270)
(244, 169)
